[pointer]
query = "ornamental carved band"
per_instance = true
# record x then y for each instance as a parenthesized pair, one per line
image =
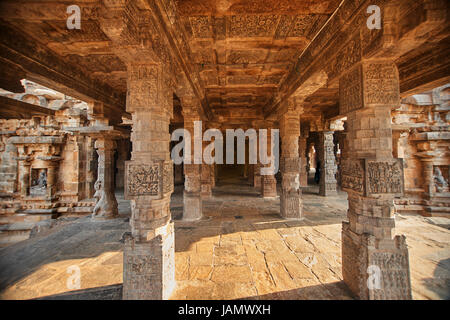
(148, 179)
(290, 165)
(371, 177)
(369, 84)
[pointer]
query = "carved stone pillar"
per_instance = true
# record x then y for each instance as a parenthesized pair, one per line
(24, 175)
(257, 175)
(328, 166)
(213, 175)
(178, 174)
(268, 186)
(149, 257)
(303, 176)
(268, 181)
(342, 137)
(52, 178)
(290, 199)
(207, 173)
(122, 150)
(206, 188)
(375, 263)
(192, 202)
(251, 173)
(106, 203)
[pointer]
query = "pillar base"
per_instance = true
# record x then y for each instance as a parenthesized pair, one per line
(257, 181)
(192, 206)
(206, 191)
(328, 190)
(268, 186)
(375, 269)
(106, 206)
(149, 266)
(291, 206)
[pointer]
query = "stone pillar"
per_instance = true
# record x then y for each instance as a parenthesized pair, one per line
(206, 188)
(303, 176)
(52, 177)
(207, 173)
(375, 263)
(268, 181)
(251, 173)
(328, 166)
(290, 199)
(178, 174)
(428, 177)
(149, 256)
(192, 202)
(257, 175)
(106, 203)
(213, 175)
(122, 150)
(24, 175)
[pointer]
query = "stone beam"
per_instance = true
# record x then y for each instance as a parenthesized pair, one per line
(45, 67)
(10, 76)
(425, 71)
(165, 17)
(15, 109)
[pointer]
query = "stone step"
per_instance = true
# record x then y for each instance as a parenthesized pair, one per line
(18, 218)
(18, 226)
(438, 211)
(12, 236)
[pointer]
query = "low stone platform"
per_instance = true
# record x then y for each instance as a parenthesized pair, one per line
(241, 249)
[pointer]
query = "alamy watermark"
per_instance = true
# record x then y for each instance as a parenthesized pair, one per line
(74, 20)
(213, 153)
(74, 280)
(374, 20)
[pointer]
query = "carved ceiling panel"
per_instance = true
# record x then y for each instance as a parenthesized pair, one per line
(239, 44)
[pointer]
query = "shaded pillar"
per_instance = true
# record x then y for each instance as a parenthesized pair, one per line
(192, 201)
(106, 203)
(327, 185)
(251, 171)
(257, 176)
(303, 175)
(178, 174)
(268, 181)
(149, 256)
(375, 263)
(206, 187)
(24, 175)
(52, 178)
(290, 198)
(122, 155)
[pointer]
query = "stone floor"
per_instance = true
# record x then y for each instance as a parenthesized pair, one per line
(240, 250)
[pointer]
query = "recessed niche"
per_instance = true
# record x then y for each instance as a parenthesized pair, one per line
(38, 181)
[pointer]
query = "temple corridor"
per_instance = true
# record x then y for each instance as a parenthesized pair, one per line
(257, 149)
(240, 249)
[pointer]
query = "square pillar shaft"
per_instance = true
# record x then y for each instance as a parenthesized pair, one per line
(106, 203)
(149, 257)
(375, 263)
(327, 186)
(192, 195)
(290, 199)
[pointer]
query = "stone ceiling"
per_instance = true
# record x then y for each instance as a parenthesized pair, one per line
(243, 49)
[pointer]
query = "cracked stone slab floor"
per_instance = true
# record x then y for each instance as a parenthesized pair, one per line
(240, 250)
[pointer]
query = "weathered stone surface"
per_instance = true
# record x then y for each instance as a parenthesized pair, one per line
(305, 67)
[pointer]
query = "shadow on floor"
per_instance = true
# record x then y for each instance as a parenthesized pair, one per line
(336, 291)
(440, 283)
(329, 291)
(112, 292)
